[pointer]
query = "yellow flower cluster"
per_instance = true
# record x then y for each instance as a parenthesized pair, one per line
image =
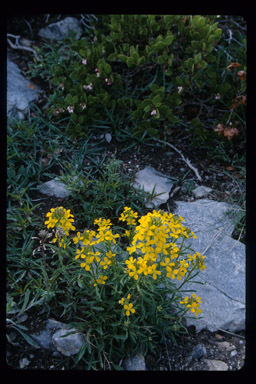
(152, 239)
(175, 270)
(104, 232)
(127, 306)
(197, 260)
(129, 216)
(100, 280)
(152, 250)
(62, 220)
(91, 238)
(192, 303)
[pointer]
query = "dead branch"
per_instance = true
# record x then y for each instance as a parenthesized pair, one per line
(187, 161)
(18, 46)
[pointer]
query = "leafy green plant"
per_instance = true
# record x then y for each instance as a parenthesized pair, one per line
(133, 73)
(127, 292)
(101, 189)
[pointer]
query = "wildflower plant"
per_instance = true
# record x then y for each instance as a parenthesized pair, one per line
(129, 296)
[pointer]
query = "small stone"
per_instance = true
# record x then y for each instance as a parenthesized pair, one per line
(108, 137)
(150, 180)
(198, 351)
(233, 353)
(216, 365)
(201, 191)
(135, 363)
(225, 346)
(24, 363)
(68, 341)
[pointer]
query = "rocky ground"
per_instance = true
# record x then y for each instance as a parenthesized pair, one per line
(202, 351)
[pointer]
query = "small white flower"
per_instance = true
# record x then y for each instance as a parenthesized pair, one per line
(217, 97)
(180, 89)
(108, 81)
(83, 105)
(153, 112)
(84, 61)
(88, 87)
(70, 108)
(62, 86)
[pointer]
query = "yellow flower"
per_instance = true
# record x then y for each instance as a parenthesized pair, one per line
(80, 253)
(127, 306)
(192, 303)
(105, 262)
(60, 217)
(129, 216)
(100, 280)
(129, 309)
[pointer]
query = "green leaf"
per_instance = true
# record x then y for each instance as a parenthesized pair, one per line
(68, 99)
(120, 337)
(130, 61)
(123, 58)
(28, 338)
(108, 69)
(55, 81)
(112, 56)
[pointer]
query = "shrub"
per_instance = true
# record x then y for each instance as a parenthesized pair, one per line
(135, 72)
(126, 295)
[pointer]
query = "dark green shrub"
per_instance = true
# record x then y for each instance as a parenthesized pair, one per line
(134, 73)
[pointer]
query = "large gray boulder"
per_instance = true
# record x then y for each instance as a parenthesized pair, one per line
(223, 289)
(20, 91)
(61, 29)
(150, 180)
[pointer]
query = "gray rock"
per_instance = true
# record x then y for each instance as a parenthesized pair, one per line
(59, 336)
(61, 29)
(225, 346)
(54, 188)
(201, 191)
(198, 351)
(68, 341)
(148, 179)
(44, 339)
(20, 91)
(222, 287)
(135, 363)
(216, 365)
(24, 363)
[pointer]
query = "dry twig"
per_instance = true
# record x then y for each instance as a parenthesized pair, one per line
(187, 161)
(18, 46)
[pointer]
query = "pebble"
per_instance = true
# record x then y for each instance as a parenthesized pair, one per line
(135, 363)
(24, 362)
(216, 365)
(233, 353)
(225, 345)
(198, 351)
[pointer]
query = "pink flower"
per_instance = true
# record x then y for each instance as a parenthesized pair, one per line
(180, 89)
(108, 81)
(84, 61)
(153, 112)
